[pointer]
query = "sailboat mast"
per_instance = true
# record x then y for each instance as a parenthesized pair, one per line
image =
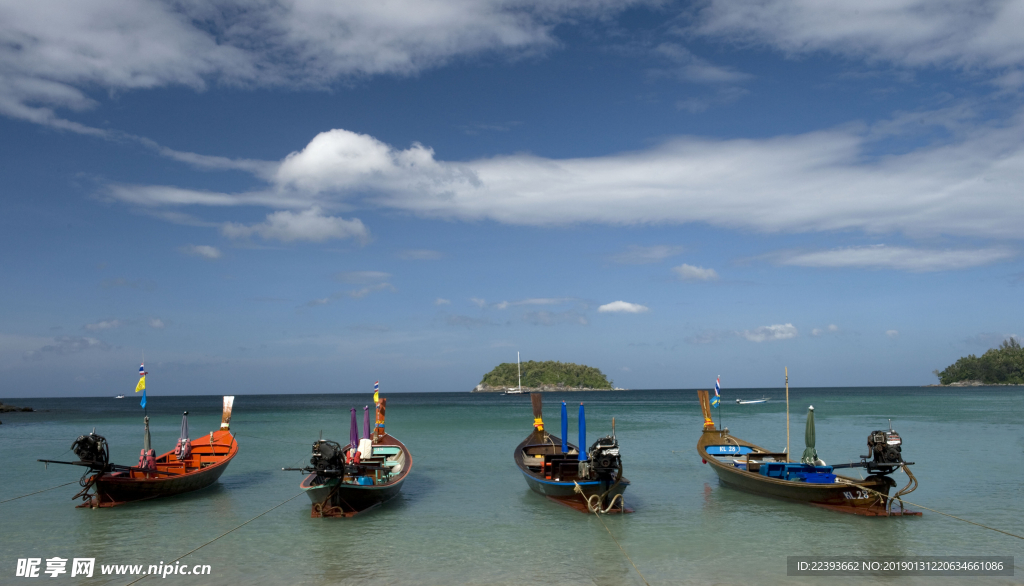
(520, 371)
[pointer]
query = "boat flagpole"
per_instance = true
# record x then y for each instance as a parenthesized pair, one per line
(787, 414)
(718, 393)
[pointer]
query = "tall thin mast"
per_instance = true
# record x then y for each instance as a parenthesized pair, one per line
(520, 371)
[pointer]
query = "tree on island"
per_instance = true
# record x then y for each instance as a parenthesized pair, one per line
(536, 374)
(1003, 365)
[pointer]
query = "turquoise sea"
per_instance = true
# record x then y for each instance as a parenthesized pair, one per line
(466, 515)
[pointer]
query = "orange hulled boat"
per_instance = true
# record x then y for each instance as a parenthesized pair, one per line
(192, 464)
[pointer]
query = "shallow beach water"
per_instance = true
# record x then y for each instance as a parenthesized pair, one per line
(465, 515)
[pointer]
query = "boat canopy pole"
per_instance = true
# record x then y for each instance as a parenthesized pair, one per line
(787, 414)
(353, 435)
(583, 435)
(565, 429)
(366, 422)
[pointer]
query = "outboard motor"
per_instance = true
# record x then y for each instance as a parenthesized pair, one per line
(604, 457)
(92, 449)
(327, 455)
(886, 448)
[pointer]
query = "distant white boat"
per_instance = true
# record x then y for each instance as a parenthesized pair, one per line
(753, 402)
(119, 397)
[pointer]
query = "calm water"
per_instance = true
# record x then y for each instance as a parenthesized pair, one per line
(466, 516)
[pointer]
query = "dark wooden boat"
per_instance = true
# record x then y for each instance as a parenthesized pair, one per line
(366, 473)
(749, 467)
(553, 468)
(183, 469)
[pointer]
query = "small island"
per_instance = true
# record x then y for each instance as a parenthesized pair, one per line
(544, 377)
(999, 366)
(11, 408)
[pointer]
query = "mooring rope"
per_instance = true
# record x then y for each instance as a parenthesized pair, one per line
(37, 492)
(885, 496)
(141, 578)
(597, 513)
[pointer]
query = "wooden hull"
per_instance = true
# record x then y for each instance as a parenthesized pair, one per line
(564, 491)
(848, 495)
(209, 458)
(331, 497)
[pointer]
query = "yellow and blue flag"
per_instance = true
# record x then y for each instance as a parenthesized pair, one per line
(718, 393)
(376, 390)
(141, 386)
(142, 379)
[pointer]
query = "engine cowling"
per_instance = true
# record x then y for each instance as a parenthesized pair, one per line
(604, 457)
(91, 448)
(886, 449)
(327, 455)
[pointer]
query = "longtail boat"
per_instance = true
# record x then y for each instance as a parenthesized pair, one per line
(751, 468)
(365, 473)
(588, 481)
(192, 464)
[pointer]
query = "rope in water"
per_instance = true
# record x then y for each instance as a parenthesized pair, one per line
(598, 515)
(221, 535)
(37, 492)
(939, 512)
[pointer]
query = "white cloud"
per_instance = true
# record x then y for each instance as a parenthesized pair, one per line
(440, 301)
(692, 68)
(831, 329)
(880, 256)
(478, 302)
(622, 307)
(65, 345)
(52, 52)
(203, 250)
(915, 33)
(819, 181)
(156, 323)
(769, 333)
(639, 255)
(691, 273)
(892, 334)
(102, 325)
(311, 225)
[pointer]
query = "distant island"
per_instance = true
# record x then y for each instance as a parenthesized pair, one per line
(544, 377)
(999, 366)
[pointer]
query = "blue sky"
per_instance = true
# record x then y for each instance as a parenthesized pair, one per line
(310, 196)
